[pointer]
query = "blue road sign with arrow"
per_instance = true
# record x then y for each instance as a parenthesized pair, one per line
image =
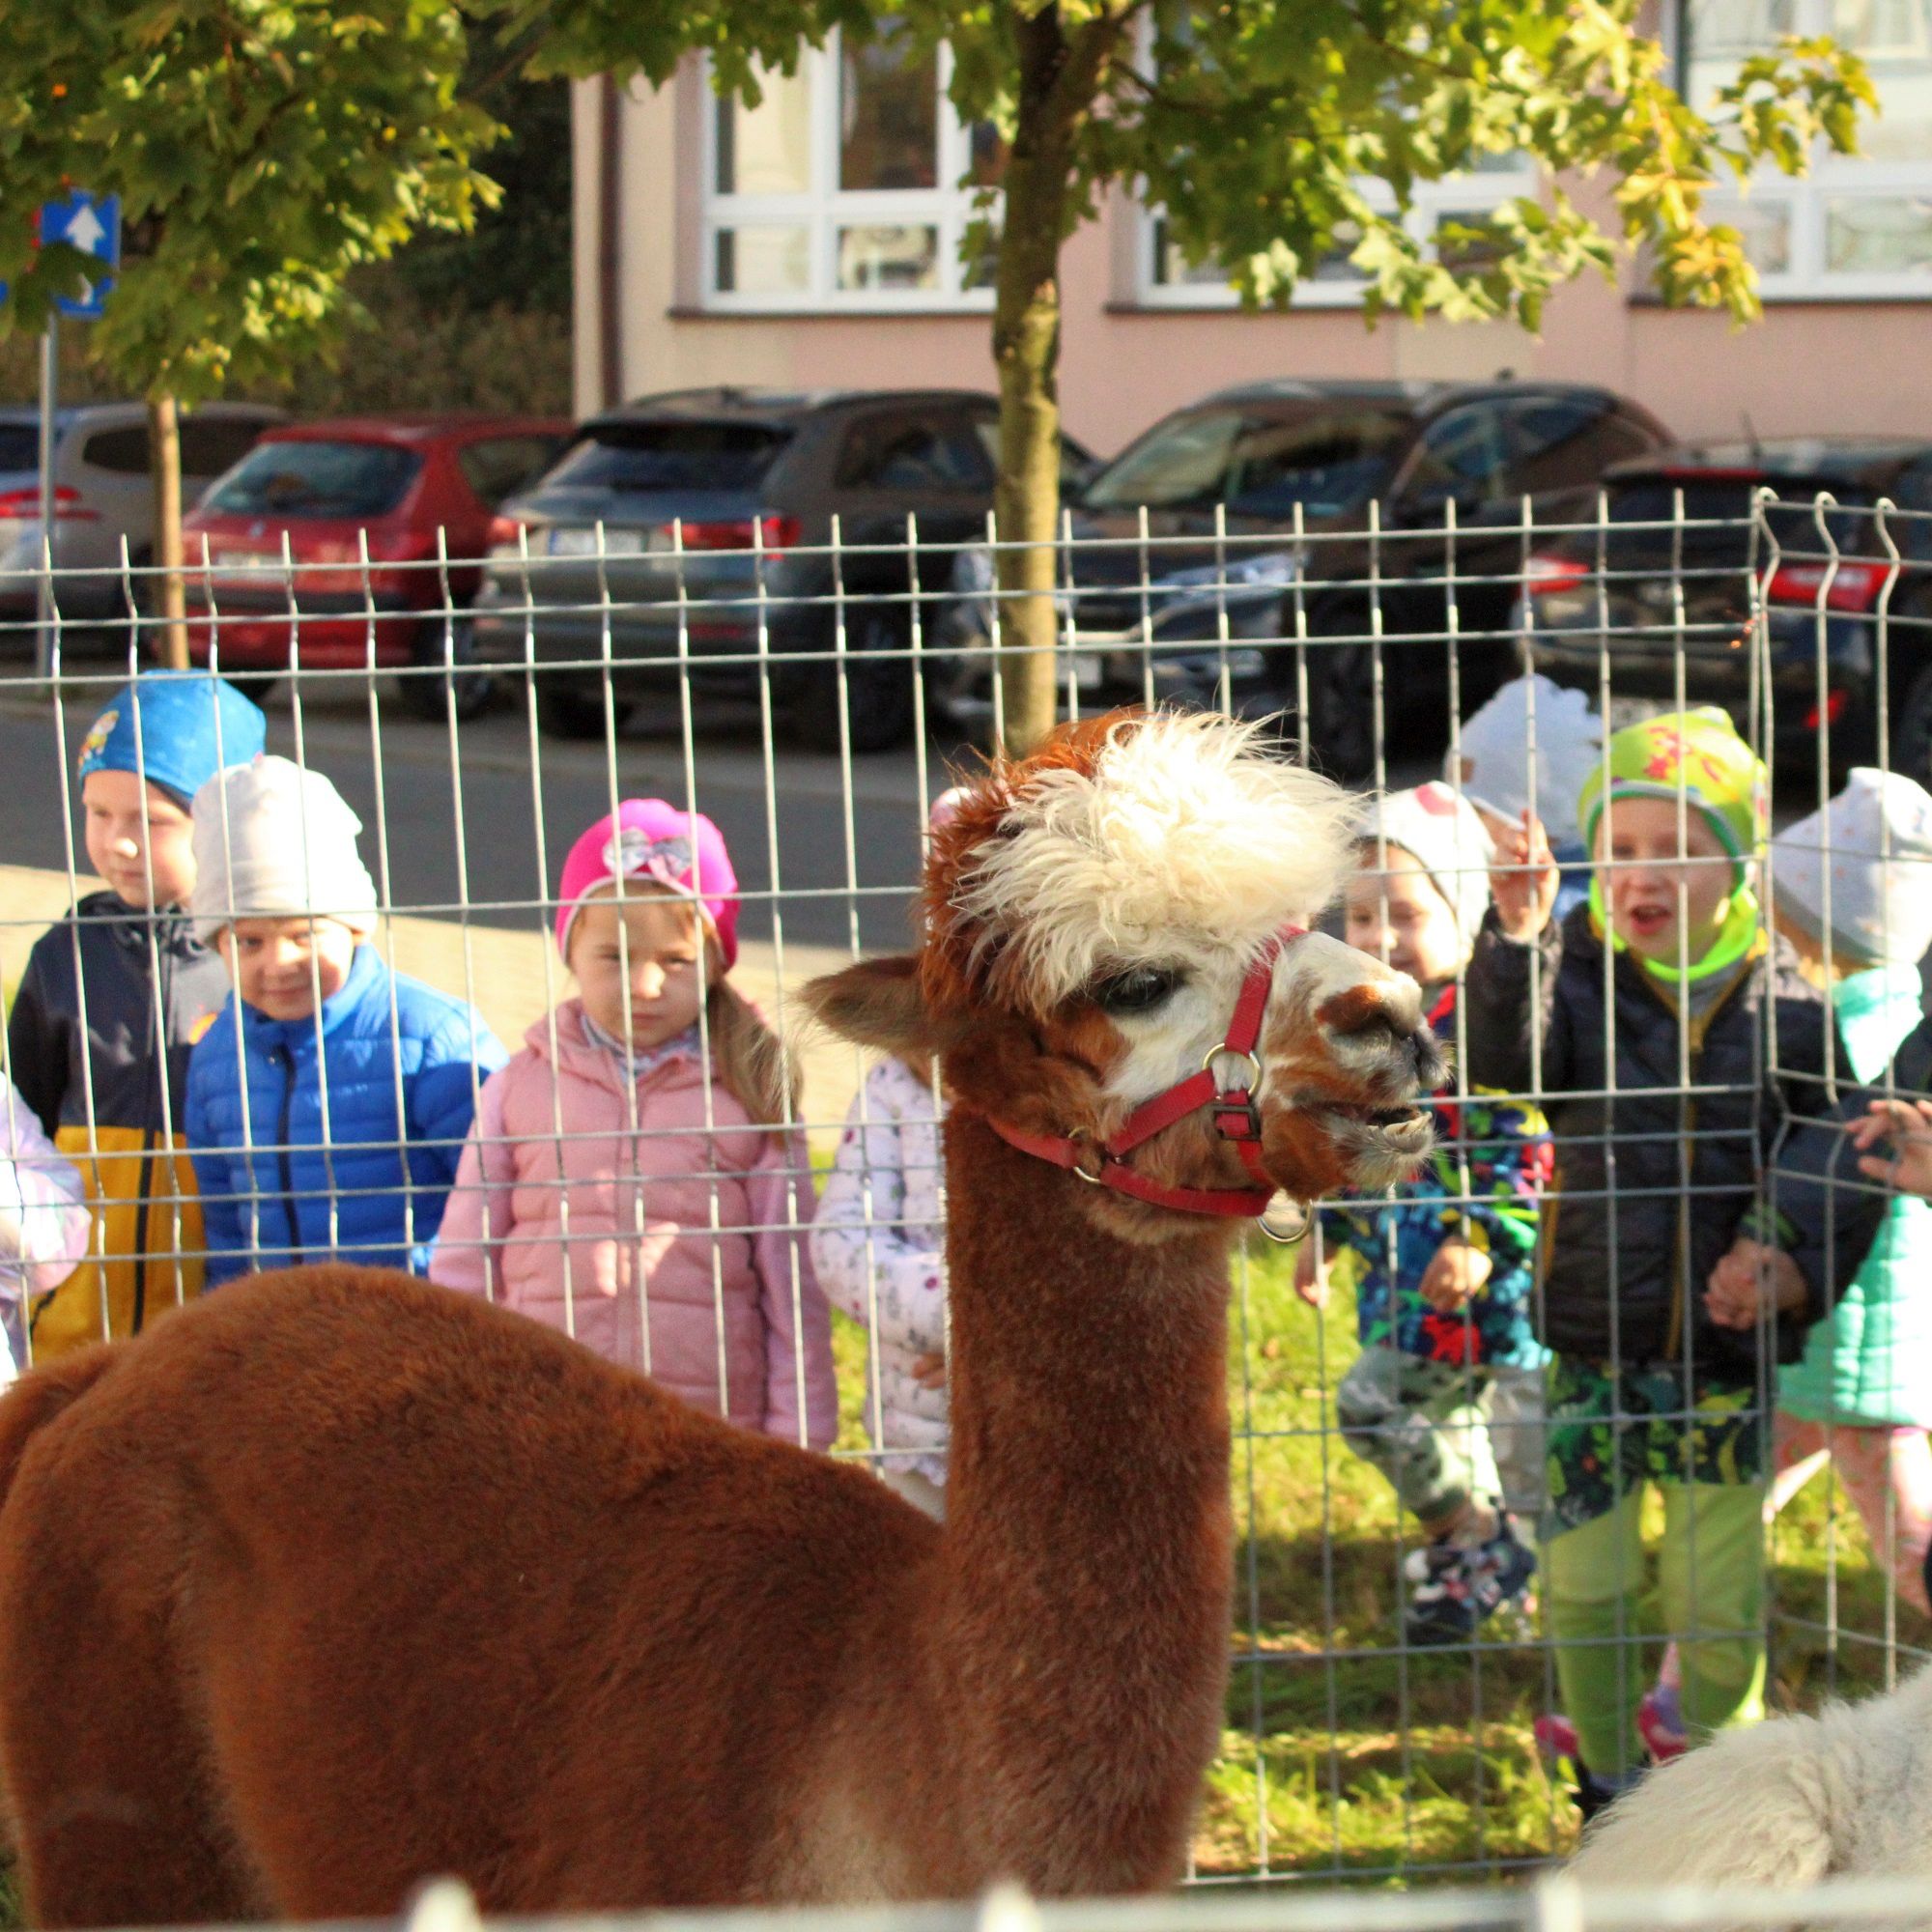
(93, 225)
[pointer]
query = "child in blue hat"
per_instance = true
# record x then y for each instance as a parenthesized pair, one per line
(114, 997)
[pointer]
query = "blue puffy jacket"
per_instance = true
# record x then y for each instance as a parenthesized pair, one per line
(384, 1172)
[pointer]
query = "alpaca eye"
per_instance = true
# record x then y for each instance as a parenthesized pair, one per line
(1137, 992)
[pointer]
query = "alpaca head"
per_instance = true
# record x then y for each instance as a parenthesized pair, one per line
(1091, 914)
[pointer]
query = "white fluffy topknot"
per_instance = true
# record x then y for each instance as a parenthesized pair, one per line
(1187, 839)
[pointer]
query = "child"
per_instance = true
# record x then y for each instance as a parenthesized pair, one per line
(1444, 1275)
(328, 1103)
(1651, 1285)
(627, 1181)
(114, 998)
(43, 1222)
(878, 1243)
(1492, 768)
(1862, 1393)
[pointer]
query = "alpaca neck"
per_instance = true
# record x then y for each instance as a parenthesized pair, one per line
(1087, 1560)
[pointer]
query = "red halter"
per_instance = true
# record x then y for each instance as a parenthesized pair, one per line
(1236, 1118)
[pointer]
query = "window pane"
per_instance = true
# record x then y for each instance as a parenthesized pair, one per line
(764, 260)
(1881, 235)
(767, 148)
(1766, 227)
(889, 257)
(122, 452)
(1717, 34)
(1172, 270)
(639, 457)
(888, 117)
(1894, 38)
(299, 478)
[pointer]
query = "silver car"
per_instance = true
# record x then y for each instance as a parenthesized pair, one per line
(102, 492)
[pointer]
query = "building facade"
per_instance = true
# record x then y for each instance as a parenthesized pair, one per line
(814, 240)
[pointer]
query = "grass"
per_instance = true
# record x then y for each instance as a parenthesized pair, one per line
(1343, 1757)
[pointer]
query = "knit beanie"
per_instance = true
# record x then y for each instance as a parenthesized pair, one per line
(1495, 754)
(1873, 842)
(650, 843)
(1696, 754)
(275, 841)
(175, 728)
(1442, 834)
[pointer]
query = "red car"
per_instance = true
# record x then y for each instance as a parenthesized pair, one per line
(323, 485)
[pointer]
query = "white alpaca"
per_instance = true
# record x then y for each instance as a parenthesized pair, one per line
(1781, 1803)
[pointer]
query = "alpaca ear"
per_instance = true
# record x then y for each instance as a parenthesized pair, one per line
(877, 1002)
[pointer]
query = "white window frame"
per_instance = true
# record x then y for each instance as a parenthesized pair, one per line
(1472, 195)
(826, 208)
(1833, 178)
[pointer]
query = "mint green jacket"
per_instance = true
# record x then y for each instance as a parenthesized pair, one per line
(1869, 1362)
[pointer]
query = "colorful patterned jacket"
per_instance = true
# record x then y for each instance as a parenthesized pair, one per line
(1482, 1186)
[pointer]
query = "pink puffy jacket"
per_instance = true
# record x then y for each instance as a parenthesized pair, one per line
(631, 1230)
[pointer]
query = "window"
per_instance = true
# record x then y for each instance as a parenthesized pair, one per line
(842, 187)
(212, 444)
(502, 465)
(298, 478)
(1464, 456)
(636, 456)
(1856, 225)
(121, 452)
(20, 446)
(1467, 200)
(914, 453)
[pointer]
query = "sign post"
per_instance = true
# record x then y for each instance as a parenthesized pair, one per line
(43, 629)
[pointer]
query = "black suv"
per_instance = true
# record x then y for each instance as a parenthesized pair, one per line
(1244, 522)
(753, 480)
(1690, 549)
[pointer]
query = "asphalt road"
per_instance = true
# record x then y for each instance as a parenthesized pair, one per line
(465, 828)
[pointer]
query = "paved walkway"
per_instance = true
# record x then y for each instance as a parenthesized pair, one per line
(512, 977)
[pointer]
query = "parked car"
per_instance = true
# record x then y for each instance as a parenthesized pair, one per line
(104, 495)
(397, 481)
(1684, 562)
(717, 509)
(1186, 551)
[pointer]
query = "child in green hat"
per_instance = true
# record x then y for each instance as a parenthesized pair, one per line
(1641, 1021)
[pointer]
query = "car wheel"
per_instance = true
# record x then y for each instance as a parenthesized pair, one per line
(572, 712)
(878, 686)
(425, 694)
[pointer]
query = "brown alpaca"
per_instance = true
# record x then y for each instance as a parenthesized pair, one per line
(338, 1581)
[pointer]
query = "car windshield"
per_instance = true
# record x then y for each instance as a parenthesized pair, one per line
(1258, 461)
(301, 479)
(20, 446)
(632, 458)
(1723, 508)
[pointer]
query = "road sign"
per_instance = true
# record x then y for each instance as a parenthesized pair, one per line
(92, 224)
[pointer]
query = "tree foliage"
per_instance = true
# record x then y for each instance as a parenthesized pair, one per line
(262, 151)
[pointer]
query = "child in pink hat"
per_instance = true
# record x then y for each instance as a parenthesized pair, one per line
(631, 1178)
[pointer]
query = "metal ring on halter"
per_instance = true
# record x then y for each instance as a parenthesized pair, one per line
(1274, 1233)
(1252, 1085)
(1098, 1177)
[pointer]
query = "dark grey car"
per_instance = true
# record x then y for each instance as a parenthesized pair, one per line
(696, 529)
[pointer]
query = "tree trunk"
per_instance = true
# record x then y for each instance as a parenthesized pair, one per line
(1059, 80)
(170, 588)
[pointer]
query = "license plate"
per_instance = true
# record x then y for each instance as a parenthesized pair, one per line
(616, 543)
(248, 559)
(1087, 668)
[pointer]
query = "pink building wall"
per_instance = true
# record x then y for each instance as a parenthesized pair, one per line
(1807, 368)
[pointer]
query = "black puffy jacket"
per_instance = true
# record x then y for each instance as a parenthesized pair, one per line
(1656, 1176)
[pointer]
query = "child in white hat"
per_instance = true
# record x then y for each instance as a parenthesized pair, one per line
(1445, 1397)
(329, 1101)
(1852, 890)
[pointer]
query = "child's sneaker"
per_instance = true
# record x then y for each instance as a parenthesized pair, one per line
(1454, 1586)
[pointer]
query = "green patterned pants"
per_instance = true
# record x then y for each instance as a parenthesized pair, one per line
(1609, 1437)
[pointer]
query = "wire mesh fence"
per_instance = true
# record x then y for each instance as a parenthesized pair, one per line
(271, 1035)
